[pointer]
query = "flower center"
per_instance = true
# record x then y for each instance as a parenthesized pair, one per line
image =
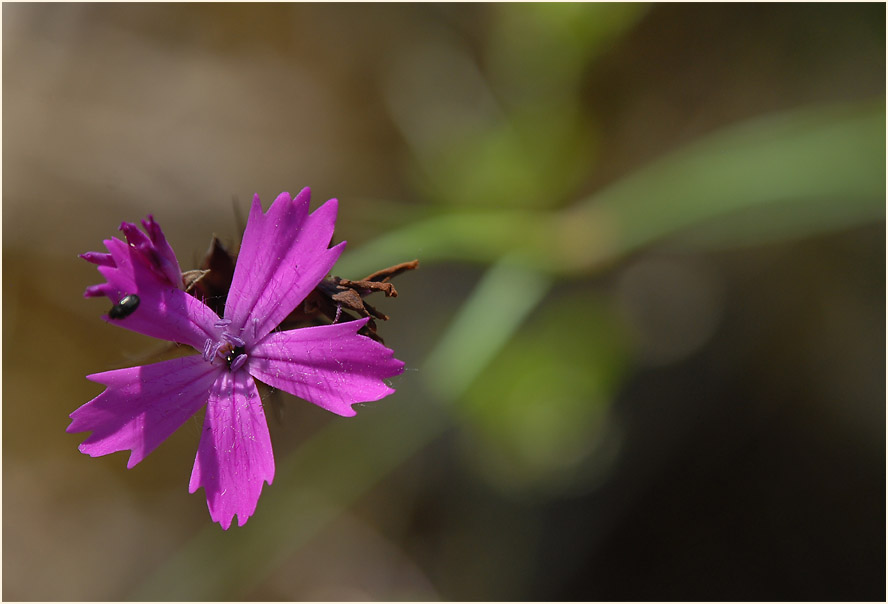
(230, 347)
(236, 358)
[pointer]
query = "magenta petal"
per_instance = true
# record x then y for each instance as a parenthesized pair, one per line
(283, 256)
(154, 250)
(142, 406)
(164, 311)
(99, 258)
(234, 457)
(330, 365)
(162, 252)
(134, 236)
(97, 291)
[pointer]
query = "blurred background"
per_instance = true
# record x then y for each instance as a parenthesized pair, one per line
(645, 348)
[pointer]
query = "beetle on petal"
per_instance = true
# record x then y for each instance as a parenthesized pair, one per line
(283, 257)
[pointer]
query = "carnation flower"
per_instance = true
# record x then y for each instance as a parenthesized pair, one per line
(283, 256)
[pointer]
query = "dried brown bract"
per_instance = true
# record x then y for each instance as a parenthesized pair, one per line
(333, 300)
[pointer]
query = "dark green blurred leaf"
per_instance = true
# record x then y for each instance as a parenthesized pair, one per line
(511, 131)
(537, 413)
(535, 159)
(538, 51)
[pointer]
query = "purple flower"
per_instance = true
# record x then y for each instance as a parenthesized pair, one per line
(283, 256)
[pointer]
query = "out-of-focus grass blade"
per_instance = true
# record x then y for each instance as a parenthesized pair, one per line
(478, 236)
(331, 470)
(781, 175)
(791, 174)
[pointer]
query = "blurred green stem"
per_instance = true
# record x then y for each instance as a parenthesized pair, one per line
(498, 306)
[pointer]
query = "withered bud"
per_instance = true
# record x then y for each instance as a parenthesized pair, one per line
(332, 300)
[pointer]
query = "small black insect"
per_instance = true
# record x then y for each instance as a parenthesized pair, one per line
(127, 306)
